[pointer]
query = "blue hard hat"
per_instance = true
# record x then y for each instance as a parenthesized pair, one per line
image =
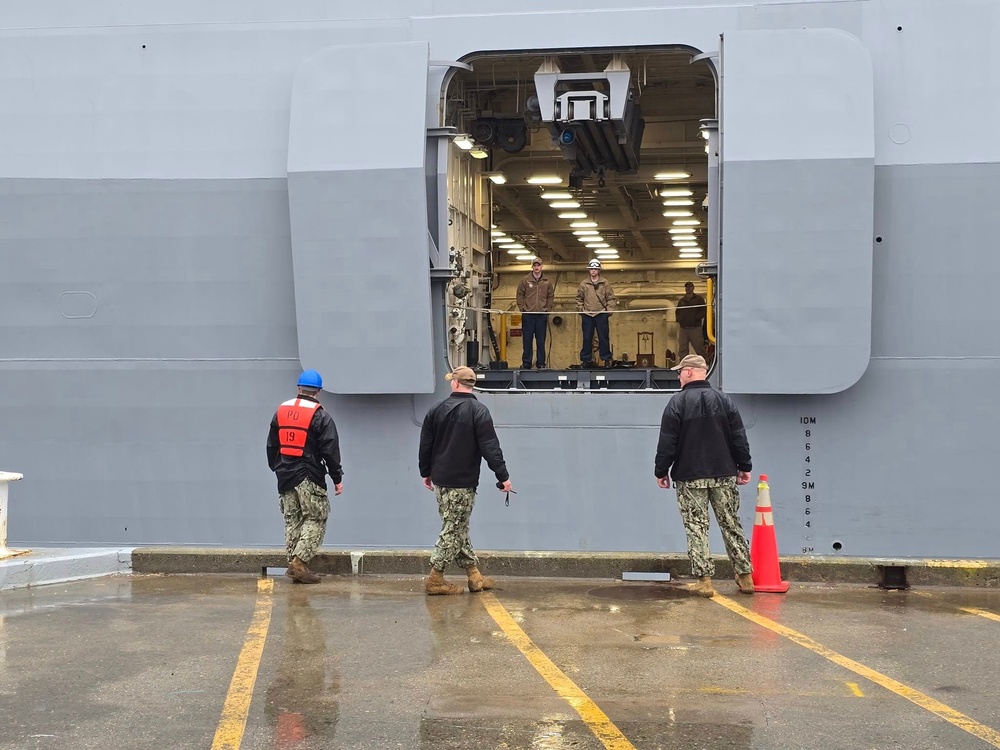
(311, 379)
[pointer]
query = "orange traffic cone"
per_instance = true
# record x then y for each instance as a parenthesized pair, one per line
(764, 545)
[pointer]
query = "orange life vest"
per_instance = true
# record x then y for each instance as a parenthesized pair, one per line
(294, 418)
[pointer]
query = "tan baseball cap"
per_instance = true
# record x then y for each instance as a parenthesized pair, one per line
(692, 360)
(464, 375)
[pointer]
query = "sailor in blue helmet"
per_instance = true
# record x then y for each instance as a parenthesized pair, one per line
(302, 447)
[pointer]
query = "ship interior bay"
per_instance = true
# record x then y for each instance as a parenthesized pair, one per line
(571, 157)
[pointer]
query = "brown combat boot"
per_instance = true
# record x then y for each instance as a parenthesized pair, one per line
(745, 582)
(299, 573)
(703, 587)
(437, 585)
(477, 581)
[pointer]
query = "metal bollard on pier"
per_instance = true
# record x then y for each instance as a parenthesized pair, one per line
(6, 477)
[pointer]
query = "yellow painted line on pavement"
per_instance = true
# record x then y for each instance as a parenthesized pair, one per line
(970, 610)
(229, 733)
(595, 719)
(947, 713)
(855, 689)
(981, 613)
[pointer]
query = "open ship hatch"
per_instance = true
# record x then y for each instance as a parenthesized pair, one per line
(797, 126)
(358, 212)
(571, 155)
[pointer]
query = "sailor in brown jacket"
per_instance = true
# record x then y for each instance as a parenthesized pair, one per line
(534, 300)
(596, 300)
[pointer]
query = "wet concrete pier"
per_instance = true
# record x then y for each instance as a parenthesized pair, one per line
(220, 661)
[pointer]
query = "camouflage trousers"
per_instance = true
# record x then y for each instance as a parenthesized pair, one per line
(305, 509)
(693, 498)
(453, 544)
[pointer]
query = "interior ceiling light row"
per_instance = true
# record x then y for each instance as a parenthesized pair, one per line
(676, 203)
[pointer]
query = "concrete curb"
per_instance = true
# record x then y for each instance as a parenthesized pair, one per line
(44, 566)
(872, 571)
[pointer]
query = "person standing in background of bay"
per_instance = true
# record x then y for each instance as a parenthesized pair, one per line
(534, 299)
(302, 447)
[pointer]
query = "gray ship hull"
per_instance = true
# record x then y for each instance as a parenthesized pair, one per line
(149, 323)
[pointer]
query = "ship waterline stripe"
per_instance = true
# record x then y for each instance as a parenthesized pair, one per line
(960, 720)
(229, 733)
(595, 719)
(147, 359)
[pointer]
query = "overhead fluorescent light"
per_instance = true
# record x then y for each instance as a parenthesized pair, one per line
(676, 193)
(678, 202)
(497, 232)
(493, 226)
(677, 213)
(591, 238)
(545, 179)
(525, 256)
(584, 232)
(583, 224)
(681, 230)
(516, 250)
(515, 246)
(556, 195)
(595, 245)
(479, 153)
(602, 252)
(573, 215)
(503, 240)
(690, 256)
(683, 240)
(564, 204)
(671, 175)
(687, 223)
(464, 142)
(498, 178)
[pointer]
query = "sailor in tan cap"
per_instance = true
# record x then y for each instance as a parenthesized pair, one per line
(457, 434)
(703, 446)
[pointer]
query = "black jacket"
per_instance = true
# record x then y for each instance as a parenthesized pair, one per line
(691, 313)
(701, 436)
(321, 453)
(456, 436)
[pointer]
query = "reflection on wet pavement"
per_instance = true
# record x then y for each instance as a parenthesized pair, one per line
(370, 662)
